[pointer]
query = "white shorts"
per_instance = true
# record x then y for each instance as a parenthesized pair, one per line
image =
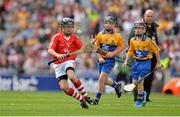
(60, 69)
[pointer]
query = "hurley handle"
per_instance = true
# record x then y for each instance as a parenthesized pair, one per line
(52, 61)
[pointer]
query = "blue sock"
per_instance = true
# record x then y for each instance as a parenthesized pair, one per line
(114, 84)
(98, 95)
(140, 97)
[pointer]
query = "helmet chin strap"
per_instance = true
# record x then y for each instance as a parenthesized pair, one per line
(108, 30)
(139, 35)
(67, 34)
(142, 36)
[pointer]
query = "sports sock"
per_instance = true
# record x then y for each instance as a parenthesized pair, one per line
(114, 84)
(140, 97)
(81, 89)
(98, 95)
(74, 94)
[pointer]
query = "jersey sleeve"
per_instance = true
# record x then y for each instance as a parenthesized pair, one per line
(98, 37)
(53, 42)
(121, 42)
(153, 46)
(131, 48)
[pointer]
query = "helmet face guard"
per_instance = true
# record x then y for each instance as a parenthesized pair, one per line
(140, 24)
(109, 19)
(67, 22)
(67, 25)
(109, 22)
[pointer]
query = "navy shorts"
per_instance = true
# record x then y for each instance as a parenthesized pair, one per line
(140, 68)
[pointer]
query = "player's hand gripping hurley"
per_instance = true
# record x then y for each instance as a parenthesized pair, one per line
(130, 87)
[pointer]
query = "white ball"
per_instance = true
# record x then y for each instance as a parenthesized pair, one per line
(79, 31)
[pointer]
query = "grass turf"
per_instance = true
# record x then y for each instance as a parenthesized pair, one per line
(58, 104)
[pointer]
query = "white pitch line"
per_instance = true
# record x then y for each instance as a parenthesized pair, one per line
(12, 104)
(165, 105)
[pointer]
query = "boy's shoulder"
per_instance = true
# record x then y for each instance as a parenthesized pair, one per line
(149, 39)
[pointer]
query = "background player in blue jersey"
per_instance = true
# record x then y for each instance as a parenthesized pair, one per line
(141, 49)
(113, 44)
(151, 32)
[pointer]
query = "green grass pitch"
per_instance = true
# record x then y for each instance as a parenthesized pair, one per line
(58, 104)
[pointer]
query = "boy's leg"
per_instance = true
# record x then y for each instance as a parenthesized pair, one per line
(83, 92)
(77, 83)
(140, 95)
(102, 80)
(104, 69)
(145, 69)
(61, 77)
(117, 86)
(71, 92)
(134, 75)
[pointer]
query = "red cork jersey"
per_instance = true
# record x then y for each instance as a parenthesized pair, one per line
(63, 46)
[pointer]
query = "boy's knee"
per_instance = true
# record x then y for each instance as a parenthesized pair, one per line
(70, 73)
(64, 88)
(102, 80)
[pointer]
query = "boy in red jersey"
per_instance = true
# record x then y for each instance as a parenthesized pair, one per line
(61, 44)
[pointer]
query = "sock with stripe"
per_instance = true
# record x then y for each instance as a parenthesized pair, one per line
(98, 96)
(81, 89)
(74, 94)
(140, 97)
(113, 84)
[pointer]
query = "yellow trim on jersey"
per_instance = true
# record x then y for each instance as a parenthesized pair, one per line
(142, 50)
(110, 40)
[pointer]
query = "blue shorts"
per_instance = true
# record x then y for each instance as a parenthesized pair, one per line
(107, 66)
(140, 68)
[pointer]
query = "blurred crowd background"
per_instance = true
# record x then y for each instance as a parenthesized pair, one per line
(26, 27)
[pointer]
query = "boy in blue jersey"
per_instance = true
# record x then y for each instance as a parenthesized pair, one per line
(113, 44)
(141, 50)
